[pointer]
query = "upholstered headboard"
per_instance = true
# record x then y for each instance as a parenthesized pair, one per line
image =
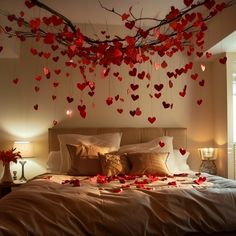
(129, 135)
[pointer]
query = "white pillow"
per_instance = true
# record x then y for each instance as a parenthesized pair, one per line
(54, 161)
(181, 160)
(160, 144)
(109, 140)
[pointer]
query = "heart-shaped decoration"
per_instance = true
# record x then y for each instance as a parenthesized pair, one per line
(117, 97)
(54, 47)
(223, 60)
(29, 4)
(36, 107)
(202, 82)
(133, 72)
(134, 97)
(170, 84)
(91, 93)
(199, 54)
(119, 110)
(182, 151)
(130, 24)
(165, 104)
(141, 75)
(138, 112)
(132, 113)
(134, 86)
(38, 77)
(164, 64)
(208, 55)
(152, 119)
(55, 58)
(54, 97)
(116, 74)
(157, 95)
(57, 71)
(55, 84)
(69, 99)
(182, 93)
(188, 2)
(36, 88)
(148, 76)
(170, 74)
(109, 101)
(15, 81)
(33, 51)
(158, 87)
(81, 86)
(161, 144)
(199, 102)
(200, 180)
(46, 55)
(194, 76)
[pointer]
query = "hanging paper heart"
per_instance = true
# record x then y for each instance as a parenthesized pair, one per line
(158, 87)
(132, 112)
(152, 119)
(157, 95)
(141, 75)
(69, 99)
(130, 24)
(201, 83)
(33, 51)
(82, 110)
(15, 81)
(208, 55)
(124, 16)
(135, 97)
(138, 112)
(54, 97)
(91, 93)
(29, 4)
(119, 110)
(194, 76)
(55, 58)
(223, 60)
(81, 86)
(188, 2)
(36, 106)
(182, 151)
(182, 93)
(55, 84)
(166, 105)
(133, 72)
(38, 78)
(134, 86)
(199, 102)
(164, 64)
(54, 47)
(36, 88)
(161, 144)
(170, 74)
(109, 101)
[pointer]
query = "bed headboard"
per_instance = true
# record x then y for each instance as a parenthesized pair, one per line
(129, 135)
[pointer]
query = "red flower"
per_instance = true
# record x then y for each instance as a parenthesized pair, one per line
(9, 155)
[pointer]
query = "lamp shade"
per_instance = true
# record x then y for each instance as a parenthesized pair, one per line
(207, 153)
(24, 147)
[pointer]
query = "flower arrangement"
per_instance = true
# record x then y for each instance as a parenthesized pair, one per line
(9, 155)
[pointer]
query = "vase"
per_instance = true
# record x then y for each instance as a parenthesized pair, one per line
(7, 177)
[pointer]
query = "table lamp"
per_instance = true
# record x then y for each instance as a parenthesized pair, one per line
(25, 149)
(208, 153)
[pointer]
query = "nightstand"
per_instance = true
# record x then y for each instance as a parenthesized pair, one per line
(6, 188)
(208, 166)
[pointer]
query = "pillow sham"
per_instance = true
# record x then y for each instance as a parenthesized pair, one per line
(181, 160)
(114, 164)
(109, 140)
(54, 161)
(148, 163)
(160, 144)
(85, 160)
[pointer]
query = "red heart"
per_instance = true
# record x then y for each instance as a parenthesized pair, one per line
(55, 84)
(38, 78)
(201, 83)
(170, 84)
(200, 180)
(165, 105)
(57, 71)
(81, 86)
(33, 51)
(29, 4)
(120, 110)
(209, 4)
(223, 60)
(138, 112)
(158, 87)
(69, 99)
(135, 97)
(164, 64)
(34, 24)
(54, 47)
(199, 54)
(132, 113)
(91, 93)
(81, 108)
(182, 93)
(124, 16)
(141, 75)
(36, 106)
(130, 24)
(109, 101)
(133, 72)
(188, 2)
(116, 74)
(162, 144)
(36, 88)
(15, 81)
(194, 76)
(199, 102)
(47, 55)
(208, 55)
(148, 76)
(55, 58)
(134, 86)
(83, 114)
(54, 97)
(8, 29)
(172, 183)
(182, 151)
(170, 74)
(130, 40)
(152, 119)
(157, 95)
(49, 38)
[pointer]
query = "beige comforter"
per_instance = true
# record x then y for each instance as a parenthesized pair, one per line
(61, 205)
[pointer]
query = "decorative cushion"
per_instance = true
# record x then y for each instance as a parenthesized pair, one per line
(148, 163)
(109, 140)
(160, 144)
(114, 164)
(85, 160)
(181, 160)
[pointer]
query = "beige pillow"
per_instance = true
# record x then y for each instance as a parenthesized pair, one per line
(109, 140)
(114, 164)
(85, 160)
(148, 163)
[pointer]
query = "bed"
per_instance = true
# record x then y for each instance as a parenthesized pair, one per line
(154, 203)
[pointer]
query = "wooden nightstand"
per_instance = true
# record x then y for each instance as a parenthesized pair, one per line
(6, 188)
(208, 166)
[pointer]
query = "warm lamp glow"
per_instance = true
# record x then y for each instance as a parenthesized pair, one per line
(24, 147)
(207, 153)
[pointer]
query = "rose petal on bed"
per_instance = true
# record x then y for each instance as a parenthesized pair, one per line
(200, 180)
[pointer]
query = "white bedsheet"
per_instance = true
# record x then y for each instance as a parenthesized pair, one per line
(166, 206)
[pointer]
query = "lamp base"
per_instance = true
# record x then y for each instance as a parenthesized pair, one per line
(22, 178)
